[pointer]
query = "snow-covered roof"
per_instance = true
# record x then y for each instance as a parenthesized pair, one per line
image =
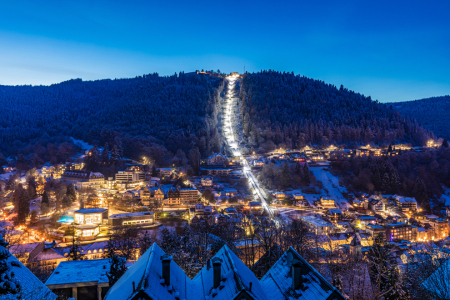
(402, 199)
(237, 278)
(49, 254)
(146, 273)
(318, 222)
(23, 248)
(80, 271)
(277, 281)
(133, 214)
(31, 286)
(335, 211)
(439, 282)
(90, 210)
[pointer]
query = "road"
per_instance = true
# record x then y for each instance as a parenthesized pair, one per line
(234, 145)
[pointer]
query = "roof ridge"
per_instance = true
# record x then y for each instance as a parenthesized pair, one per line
(239, 282)
(150, 258)
(320, 277)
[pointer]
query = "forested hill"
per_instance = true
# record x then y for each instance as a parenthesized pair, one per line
(432, 113)
(284, 109)
(149, 115)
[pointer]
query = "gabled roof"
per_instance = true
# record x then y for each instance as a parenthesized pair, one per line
(147, 274)
(236, 279)
(31, 286)
(278, 281)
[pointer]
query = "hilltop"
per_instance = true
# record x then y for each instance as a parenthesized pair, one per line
(287, 110)
(432, 113)
(149, 114)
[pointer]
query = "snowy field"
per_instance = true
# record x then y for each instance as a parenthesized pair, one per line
(445, 198)
(331, 184)
(82, 144)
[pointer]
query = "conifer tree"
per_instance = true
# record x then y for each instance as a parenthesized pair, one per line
(386, 183)
(381, 265)
(105, 154)
(285, 176)
(194, 157)
(24, 207)
(92, 160)
(45, 203)
(145, 242)
(17, 194)
(115, 156)
(71, 193)
(66, 201)
(117, 269)
(75, 252)
(8, 283)
(306, 178)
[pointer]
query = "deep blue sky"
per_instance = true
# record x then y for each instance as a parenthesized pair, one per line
(391, 50)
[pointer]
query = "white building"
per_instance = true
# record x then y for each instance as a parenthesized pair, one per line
(87, 222)
(217, 159)
(406, 203)
(207, 181)
(129, 177)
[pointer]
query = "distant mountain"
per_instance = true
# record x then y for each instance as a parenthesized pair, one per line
(281, 109)
(432, 113)
(148, 115)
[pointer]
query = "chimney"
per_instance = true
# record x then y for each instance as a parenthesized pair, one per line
(296, 275)
(217, 269)
(166, 259)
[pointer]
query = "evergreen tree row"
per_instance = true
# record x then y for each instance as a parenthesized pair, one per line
(281, 109)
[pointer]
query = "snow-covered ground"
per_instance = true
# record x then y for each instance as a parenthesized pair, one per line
(331, 184)
(6, 175)
(445, 198)
(82, 144)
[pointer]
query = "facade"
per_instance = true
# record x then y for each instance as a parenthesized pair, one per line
(136, 218)
(207, 181)
(173, 197)
(92, 179)
(341, 154)
(188, 196)
(375, 230)
(376, 205)
(317, 225)
(215, 172)
(406, 203)
(255, 206)
(440, 227)
(87, 222)
(82, 279)
(165, 172)
(151, 195)
(217, 159)
(335, 214)
(400, 231)
(129, 177)
(326, 202)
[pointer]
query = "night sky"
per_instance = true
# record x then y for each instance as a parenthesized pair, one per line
(390, 50)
